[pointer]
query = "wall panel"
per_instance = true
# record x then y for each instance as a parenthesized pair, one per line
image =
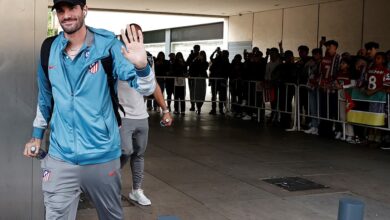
(342, 21)
(24, 24)
(267, 29)
(377, 23)
(241, 28)
(300, 27)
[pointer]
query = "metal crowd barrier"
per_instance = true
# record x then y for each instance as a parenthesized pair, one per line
(255, 94)
(259, 88)
(193, 85)
(338, 119)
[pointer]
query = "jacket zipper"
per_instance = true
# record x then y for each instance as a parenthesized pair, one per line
(74, 129)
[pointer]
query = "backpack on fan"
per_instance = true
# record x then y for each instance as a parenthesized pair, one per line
(107, 66)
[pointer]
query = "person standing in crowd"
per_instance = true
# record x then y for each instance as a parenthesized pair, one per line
(235, 84)
(343, 82)
(198, 69)
(388, 59)
(330, 65)
(219, 69)
(377, 79)
(257, 66)
(303, 77)
(170, 81)
(192, 72)
(84, 141)
(385, 145)
(246, 77)
(161, 70)
(180, 72)
(371, 50)
(287, 73)
(358, 70)
(270, 78)
(312, 67)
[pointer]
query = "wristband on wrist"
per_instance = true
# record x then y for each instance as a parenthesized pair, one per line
(165, 111)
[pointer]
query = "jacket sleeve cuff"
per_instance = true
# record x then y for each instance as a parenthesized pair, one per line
(144, 72)
(38, 133)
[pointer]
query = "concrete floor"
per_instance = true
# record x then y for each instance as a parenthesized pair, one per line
(212, 167)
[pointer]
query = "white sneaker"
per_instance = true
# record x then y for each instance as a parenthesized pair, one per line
(139, 196)
(314, 131)
(338, 135)
(247, 118)
(230, 114)
(350, 140)
(310, 130)
(291, 129)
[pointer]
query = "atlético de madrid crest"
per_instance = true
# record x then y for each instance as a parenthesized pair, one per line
(93, 68)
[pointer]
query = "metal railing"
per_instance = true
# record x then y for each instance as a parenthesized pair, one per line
(274, 99)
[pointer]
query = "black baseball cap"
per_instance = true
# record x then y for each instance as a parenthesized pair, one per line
(331, 42)
(72, 2)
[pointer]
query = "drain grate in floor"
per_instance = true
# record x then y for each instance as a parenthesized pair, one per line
(86, 203)
(293, 184)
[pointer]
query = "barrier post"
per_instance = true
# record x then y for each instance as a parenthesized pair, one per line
(350, 209)
(297, 116)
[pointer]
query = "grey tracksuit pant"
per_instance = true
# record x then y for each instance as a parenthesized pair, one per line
(134, 138)
(63, 182)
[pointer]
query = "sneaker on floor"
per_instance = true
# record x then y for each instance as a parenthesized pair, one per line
(192, 109)
(230, 114)
(357, 140)
(291, 129)
(385, 147)
(139, 196)
(213, 112)
(246, 118)
(350, 140)
(310, 130)
(314, 131)
(338, 135)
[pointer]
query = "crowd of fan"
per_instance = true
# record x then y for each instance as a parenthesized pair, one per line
(254, 79)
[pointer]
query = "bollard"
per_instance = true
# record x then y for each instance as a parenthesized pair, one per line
(350, 209)
(168, 218)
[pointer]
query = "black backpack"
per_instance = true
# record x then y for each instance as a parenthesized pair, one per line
(107, 66)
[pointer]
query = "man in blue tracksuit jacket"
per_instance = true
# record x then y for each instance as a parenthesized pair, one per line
(84, 142)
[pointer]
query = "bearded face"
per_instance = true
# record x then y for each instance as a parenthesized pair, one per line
(71, 17)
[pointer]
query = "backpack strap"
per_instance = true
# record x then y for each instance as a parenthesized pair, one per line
(45, 54)
(111, 81)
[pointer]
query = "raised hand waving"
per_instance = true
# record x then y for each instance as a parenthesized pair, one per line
(134, 49)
